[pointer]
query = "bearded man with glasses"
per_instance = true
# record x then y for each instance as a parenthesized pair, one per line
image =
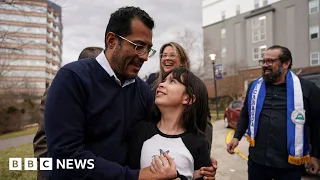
(278, 110)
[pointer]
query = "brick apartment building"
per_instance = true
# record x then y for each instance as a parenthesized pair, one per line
(31, 45)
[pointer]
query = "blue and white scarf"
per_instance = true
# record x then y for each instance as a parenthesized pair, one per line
(297, 139)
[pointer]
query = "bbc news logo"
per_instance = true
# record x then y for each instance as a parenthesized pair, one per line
(45, 164)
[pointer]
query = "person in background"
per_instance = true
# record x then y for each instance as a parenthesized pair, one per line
(40, 148)
(277, 110)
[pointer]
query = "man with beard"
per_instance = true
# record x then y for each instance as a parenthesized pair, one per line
(277, 110)
(93, 104)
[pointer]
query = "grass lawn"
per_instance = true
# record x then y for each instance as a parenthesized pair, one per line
(19, 133)
(214, 115)
(22, 152)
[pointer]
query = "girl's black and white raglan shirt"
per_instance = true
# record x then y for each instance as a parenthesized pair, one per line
(189, 151)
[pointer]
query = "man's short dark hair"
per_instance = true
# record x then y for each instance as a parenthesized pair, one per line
(120, 21)
(285, 54)
(90, 52)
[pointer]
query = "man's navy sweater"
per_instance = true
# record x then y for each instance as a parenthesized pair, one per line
(88, 115)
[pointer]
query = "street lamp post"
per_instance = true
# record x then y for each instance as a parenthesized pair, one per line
(213, 59)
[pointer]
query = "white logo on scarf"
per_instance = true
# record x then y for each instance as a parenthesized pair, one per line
(298, 116)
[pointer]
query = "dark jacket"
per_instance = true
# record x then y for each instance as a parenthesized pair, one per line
(271, 140)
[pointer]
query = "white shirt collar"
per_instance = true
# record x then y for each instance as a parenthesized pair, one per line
(102, 60)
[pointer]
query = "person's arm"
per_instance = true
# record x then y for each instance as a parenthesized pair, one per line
(65, 121)
(243, 121)
(202, 159)
(314, 122)
(39, 140)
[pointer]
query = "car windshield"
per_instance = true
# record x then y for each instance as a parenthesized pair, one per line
(237, 104)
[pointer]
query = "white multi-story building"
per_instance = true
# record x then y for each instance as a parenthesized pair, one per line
(238, 32)
(31, 44)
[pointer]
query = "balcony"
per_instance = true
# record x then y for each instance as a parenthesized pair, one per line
(55, 43)
(50, 14)
(47, 75)
(49, 50)
(55, 24)
(49, 45)
(55, 68)
(50, 25)
(56, 17)
(49, 55)
(49, 29)
(50, 10)
(50, 19)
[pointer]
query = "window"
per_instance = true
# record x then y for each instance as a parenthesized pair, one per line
(236, 104)
(11, 50)
(49, 55)
(223, 15)
(23, 18)
(256, 4)
(57, 29)
(258, 52)
(20, 40)
(314, 58)
(262, 28)
(238, 9)
(21, 7)
(314, 32)
(35, 52)
(223, 33)
(259, 29)
(23, 62)
(313, 6)
(265, 2)
(262, 51)
(223, 52)
(56, 19)
(21, 29)
(255, 54)
(56, 58)
(24, 73)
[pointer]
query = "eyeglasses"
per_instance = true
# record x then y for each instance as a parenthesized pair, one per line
(171, 56)
(269, 62)
(140, 50)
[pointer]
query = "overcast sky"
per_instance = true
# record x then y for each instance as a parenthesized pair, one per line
(84, 23)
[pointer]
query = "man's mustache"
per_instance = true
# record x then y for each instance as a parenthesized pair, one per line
(266, 68)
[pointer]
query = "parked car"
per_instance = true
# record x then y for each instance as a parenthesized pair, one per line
(232, 113)
(312, 76)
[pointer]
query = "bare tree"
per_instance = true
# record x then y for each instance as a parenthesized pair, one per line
(9, 53)
(231, 88)
(191, 41)
(12, 45)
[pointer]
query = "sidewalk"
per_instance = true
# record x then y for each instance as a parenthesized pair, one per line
(17, 141)
(230, 167)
